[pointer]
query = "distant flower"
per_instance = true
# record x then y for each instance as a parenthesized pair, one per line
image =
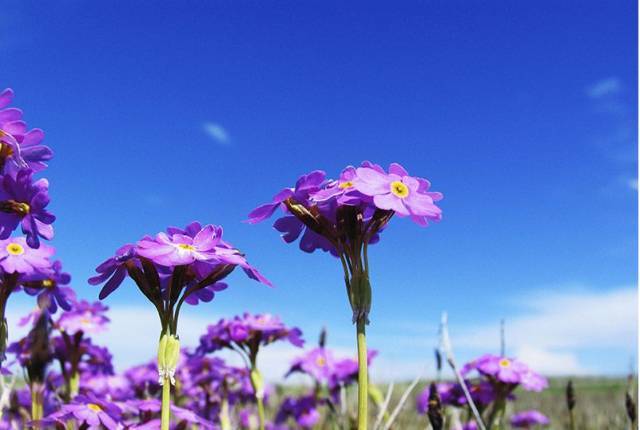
(317, 363)
(506, 371)
(86, 317)
(23, 202)
(247, 331)
(16, 256)
(51, 289)
(529, 419)
(303, 409)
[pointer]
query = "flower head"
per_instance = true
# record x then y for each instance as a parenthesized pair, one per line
(397, 191)
(509, 371)
(528, 419)
(51, 289)
(90, 411)
(249, 331)
(16, 256)
(85, 317)
(24, 201)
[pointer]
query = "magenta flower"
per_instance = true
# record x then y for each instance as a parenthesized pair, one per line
(24, 202)
(20, 147)
(179, 249)
(113, 270)
(85, 317)
(399, 192)
(90, 412)
(503, 370)
(529, 419)
(17, 257)
(51, 289)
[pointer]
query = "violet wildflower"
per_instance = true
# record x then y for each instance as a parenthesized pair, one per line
(246, 335)
(19, 263)
(504, 375)
(529, 419)
(168, 269)
(23, 202)
(51, 289)
(73, 349)
(303, 410)
(399, 192)
(91, 412)
(343, 217)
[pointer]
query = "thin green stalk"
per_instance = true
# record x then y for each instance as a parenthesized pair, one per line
(166, 404)
(74, 384)
(258, 389)
(37, 407)
(225, 422)
(363, 390)
(260, 413)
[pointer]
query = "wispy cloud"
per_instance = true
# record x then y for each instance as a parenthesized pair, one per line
(604, 88)
(633, 184)
(216, 132)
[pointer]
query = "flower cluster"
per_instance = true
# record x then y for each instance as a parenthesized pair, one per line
(497, 378)
(24, 260)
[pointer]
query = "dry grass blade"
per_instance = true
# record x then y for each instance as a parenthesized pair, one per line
(401, 403)
(384, 407)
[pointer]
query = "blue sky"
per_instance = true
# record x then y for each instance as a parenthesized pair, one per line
(522, 113)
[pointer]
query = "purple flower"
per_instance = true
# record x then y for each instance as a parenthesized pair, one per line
(180, 249)
(90, 411)
(16, 256)
(506, 371)
(206, 294)
(317, 363)
(399, 192)
(528, 419)
(113, 270)
(248, 331)
(51, 290)
(302, 409)
(84, 317)
(18, 145)
(200, 251)
(24, 202)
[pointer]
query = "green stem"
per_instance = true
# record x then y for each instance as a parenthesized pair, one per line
(260, 413)
(362, 375)
(258, 389)
(572, 422)
(166, 404)
(37, 407)
(225, 422)
(74, 384)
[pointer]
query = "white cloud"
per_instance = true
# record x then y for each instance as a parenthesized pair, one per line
(216, 132)
(604, 88)
(576, 318)
(633, 184)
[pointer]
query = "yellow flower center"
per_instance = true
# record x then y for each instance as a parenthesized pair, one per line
(47, 283)
(345, 184)
(15, 249)
(187, 247)
(320, 361)
(399, 189)
(95, 408)
(504, 363)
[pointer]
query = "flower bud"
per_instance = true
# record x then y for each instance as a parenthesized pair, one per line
(168, 355)
(258, 383)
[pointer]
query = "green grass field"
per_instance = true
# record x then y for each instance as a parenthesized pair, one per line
(600, 405)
